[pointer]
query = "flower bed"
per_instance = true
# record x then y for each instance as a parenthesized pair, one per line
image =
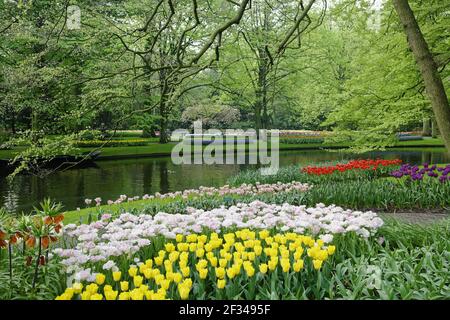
(96, 243)
(351, 165)
(302, 140)
(243, 189)
(238, 264)
(110, 143)
(414, 173)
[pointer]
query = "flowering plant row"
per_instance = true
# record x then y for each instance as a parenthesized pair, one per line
(243, 189)
(96, 243)
(111, 143)
(238, 264)
(414, 173)
(351, 165)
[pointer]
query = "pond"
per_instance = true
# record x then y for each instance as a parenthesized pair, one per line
(136, 177)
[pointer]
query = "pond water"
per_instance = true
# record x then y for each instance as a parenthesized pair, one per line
(136, 177)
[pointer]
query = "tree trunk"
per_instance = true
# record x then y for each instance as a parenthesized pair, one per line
(434, 128)
(164, 100)
(426, 128)
(428, 69)
(261, 94)
(163, 137)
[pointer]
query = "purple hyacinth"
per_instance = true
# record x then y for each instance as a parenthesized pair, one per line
(417, 174)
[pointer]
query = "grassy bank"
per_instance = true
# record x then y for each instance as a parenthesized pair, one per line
(155, 149)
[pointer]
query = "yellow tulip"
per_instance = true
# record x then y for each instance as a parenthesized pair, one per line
(136, 295)
(191, 238)
(149, 294)
(124, 296)
(223, 262)
(213, 261)
(64, 296)
(179, 237)
(111, 295)
(250, 271)
(173, 256)
(148, 273)
(258, 250)
(124, 285)
(92, 288)
(117, 275)
(192, 247)
(169, 247)
(159, 278)
(77, 287)
(230, 273)
(100, 278)
(165, 284)
(183, 291)
(200, 253)
(107, 288)
(177, 277)
(272, 264)
(159, 260)
(208, 247)
(220, 273)
(149, 263)
(331, 250)
(285, 264)
(317, 264)
(86, 295)
(203, 273)
(186, 271)
(298, 265)
(132, 271)
(169, 276)
(161, 253)
(263, 234)
(142, 268)
(221, 283)
(96, 296)
(263, 268)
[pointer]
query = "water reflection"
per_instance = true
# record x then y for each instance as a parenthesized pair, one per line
(136, 177)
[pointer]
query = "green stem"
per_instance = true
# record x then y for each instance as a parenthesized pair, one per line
(36, 268)
(10, 260)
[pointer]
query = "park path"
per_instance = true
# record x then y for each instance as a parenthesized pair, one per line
(417, 217)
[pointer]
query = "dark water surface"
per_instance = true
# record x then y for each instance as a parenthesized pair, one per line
(136, 177)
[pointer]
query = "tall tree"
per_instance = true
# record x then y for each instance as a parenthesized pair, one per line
(428, 68)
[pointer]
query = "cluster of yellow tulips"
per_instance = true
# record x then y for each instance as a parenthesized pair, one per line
(212, 262)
